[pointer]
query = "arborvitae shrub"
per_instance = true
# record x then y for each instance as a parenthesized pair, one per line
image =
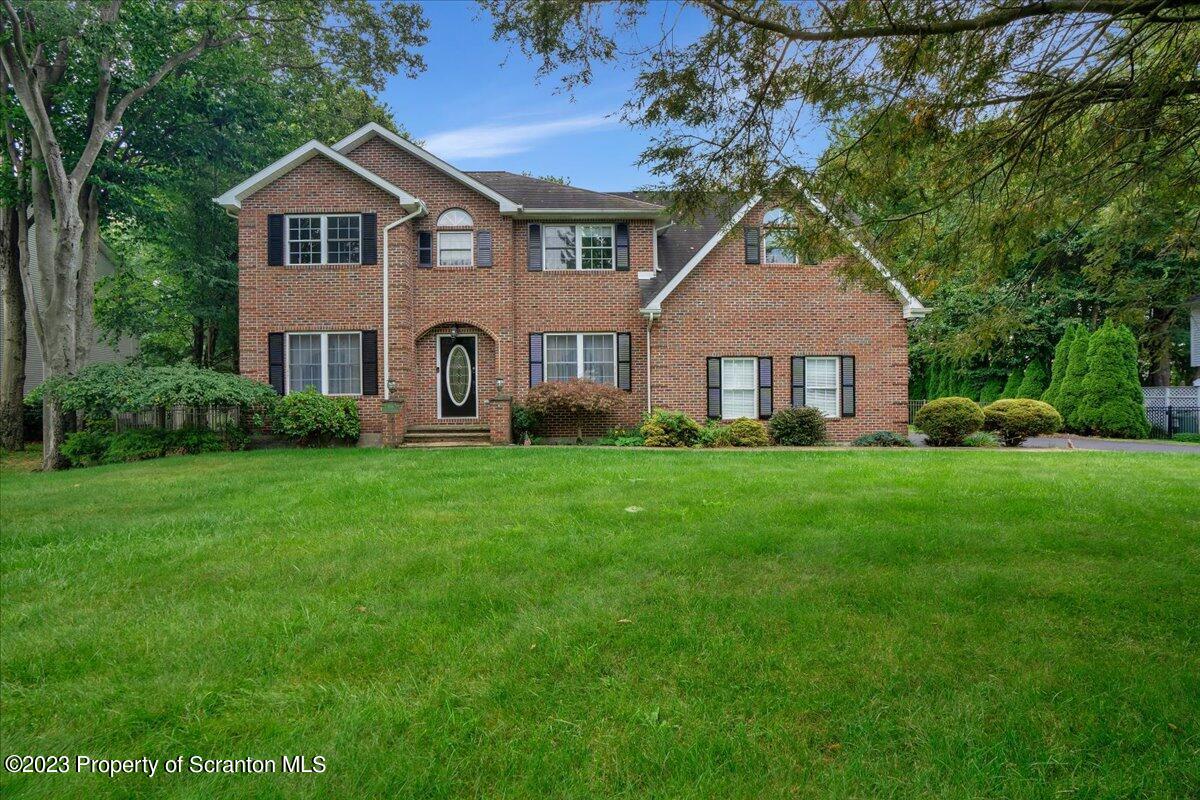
(1112, 402)
(946, 381)
(991, 391)
(931, 379)
(1071, 391)
(1034, 382)
(1012, 384)
(948, 420)
(1017, 420)
(1062, 354)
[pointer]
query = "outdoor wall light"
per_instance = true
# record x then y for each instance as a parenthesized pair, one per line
(499, 385)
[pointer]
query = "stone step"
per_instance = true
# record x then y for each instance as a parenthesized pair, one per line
(448, 436)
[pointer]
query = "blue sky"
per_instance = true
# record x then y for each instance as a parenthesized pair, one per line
(479, 105)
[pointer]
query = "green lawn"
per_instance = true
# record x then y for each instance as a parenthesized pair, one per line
(563, 622)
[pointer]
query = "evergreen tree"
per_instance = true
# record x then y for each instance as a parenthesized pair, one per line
(931, 379)
(945, 381)
(1059, 368)
(1112, 402)
(1012, 385)
(1034, 382)
(1071, 392)
(991, 391)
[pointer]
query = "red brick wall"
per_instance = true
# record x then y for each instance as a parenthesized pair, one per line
(727, 307)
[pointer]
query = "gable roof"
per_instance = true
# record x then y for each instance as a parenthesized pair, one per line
(232, 199)
(542, 196)
(681, 248)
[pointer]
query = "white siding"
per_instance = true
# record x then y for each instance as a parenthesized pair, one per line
(1196, 335)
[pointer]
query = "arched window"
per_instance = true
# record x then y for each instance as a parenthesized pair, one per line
(780, 227)
(455, 247)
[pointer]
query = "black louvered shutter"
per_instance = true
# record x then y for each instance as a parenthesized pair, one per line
(753, 249)
(424, 249)
(370, 363)
(622, 247)
(766, 394)
(847, 386)
(714, 388)
(275, 360)
(275, 240)
(624, 365)
(535, 247)
(535, 359)
(797, 381)
(483, 248)
(370, 252)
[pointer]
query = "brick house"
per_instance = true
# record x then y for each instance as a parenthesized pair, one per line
(374, 269)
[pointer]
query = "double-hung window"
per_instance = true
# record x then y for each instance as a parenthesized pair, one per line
(578, 247)
(331, 363)
(591, 356)
(455, 247)
(739, 388)
(821, 384)
(324, 239)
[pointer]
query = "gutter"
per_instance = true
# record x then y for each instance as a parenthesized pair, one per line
(387, 251)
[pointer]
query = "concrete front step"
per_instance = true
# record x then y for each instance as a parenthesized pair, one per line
(448, 436)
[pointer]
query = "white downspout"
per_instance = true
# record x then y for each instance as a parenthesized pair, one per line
(650, 315)
(387, 251)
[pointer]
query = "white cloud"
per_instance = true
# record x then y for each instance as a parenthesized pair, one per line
(500, 139)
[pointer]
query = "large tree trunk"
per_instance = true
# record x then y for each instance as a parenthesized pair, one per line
(12, 369)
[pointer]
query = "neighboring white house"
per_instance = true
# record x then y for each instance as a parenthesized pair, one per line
(100, 352)
(1196, 335)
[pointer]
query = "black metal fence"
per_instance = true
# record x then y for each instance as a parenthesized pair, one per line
(173, 418)
(1166, 421)
(913, 407)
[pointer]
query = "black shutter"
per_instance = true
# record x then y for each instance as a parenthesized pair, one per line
(797, 381)
(275, 360)
(535, 247)
(483, 248)
(766, 395)
(714, 388)
(275, 240)
(753, 250)
(623, 362)
(370, 253)
(370, 363)
(847, 386)
(535, 359)
(424, 249)
(622, 247)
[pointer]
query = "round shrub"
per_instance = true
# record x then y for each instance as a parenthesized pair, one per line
(670, 429)
(747, 433)
(1017, 420)
(881, 439)
(798, 427)
(314, 419)
(948, 420)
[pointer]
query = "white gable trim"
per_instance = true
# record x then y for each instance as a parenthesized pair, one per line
(232, 199)
(913, 308)
(372, 129)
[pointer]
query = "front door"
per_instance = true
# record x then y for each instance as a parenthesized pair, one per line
(456, 377)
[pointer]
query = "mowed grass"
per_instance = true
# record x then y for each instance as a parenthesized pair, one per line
(566, 622)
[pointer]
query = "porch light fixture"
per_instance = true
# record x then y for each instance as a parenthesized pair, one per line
(499, 385)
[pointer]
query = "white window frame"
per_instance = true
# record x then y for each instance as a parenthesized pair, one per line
(470, 251)
(779, 227)
(287, 360)
(575, 226)
(287, 239)
(754, 362)
(578, 353)
(837, 383)
(443, 223)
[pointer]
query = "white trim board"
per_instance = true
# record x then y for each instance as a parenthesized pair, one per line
(232, 199)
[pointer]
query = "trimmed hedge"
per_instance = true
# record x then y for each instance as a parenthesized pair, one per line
(948, 420)
(1058, 369)
(1070, 394)
(1016, 420)
(1112, 403)
(798, 427)
(744, 432)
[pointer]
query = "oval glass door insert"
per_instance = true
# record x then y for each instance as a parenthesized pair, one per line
(458, 374)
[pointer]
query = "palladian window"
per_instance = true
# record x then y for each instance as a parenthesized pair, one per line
(454, 247)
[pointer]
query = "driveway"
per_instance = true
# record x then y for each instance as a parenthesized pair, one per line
(1090, 443)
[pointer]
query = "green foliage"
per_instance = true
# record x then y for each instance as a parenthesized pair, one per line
(91, 447)
(663, 428)
(798, 427)
(524, 421)
(980, 439)
(945, 387)
(1112, 402)
(1033, 384)
(137, 445)
(882, 439)
(744, 432)
(103, 388)
(620, 437)
(1018, 419)
(1070, 394)
(1012, 385)
(1190, 438)
(85, 448)
(931, 380)
(1058, 370)
(314, 419)
(948, 420)
(991, 391)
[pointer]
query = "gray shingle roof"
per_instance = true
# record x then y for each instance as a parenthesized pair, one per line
(534, 193)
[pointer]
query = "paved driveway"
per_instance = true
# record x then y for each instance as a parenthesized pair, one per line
(1089, 443)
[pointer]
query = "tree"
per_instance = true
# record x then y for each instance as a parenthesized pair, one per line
(77, 69)
(1059, 368)
(1071, 393)
(14, 228)
(1034, 382)
(932, 380)
(1012, 385)
(946, 381)
(1112, 402)
(991, 391)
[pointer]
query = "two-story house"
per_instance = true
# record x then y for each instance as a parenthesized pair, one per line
(374, 269)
